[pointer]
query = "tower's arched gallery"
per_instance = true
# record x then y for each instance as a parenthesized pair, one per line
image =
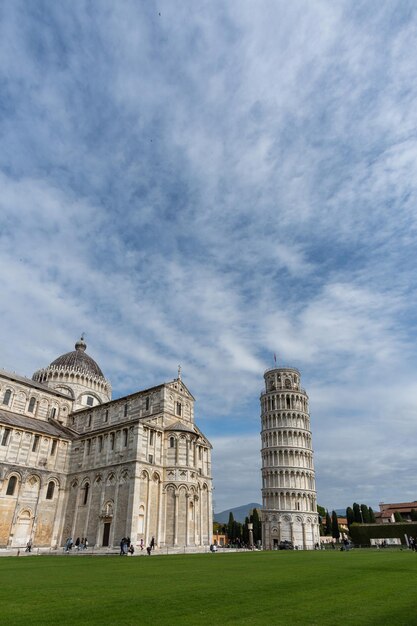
(288, 483)
(74, 463)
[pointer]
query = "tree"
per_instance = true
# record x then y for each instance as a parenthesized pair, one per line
(365, 514)
(335, 526)
(413, 515)
(231, 527)
(372, 516)
(257, 526)
(398, 517)
(321, 511)
(245, 531)
(350, 516)
(357, 517)
(328, 528)
(238, 531)
(322, 515)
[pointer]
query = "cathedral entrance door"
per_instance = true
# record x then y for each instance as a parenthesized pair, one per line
(106, 534)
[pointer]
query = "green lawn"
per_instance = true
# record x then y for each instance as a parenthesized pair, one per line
(324, 588)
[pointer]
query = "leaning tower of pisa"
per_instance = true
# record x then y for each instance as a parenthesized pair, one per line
(288, 485)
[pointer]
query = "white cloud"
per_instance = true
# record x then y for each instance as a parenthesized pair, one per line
(211, 186)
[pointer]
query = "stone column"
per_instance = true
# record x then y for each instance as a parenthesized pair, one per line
(132, 506)
(250, 529)
(77, 504)
(195, 503)
(176, 504)
(187, 511)
(209, 518)
(200, 518)
(160, 538)
(113, 525)
(148, 499)
(304, 536)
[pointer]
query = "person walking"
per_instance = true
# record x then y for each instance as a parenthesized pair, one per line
(152, 544)
(29, 546)
(77, 543)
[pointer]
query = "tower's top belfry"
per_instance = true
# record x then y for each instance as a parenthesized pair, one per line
(282, 378)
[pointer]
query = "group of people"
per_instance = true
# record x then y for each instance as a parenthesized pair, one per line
(80, 544)
(126, 547)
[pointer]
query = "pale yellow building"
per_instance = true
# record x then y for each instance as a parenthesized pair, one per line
(74, 463)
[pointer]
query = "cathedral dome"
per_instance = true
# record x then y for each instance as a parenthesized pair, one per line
(77, 375)
(78, 360)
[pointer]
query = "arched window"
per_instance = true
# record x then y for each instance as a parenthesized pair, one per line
(86, 490)
(172, 442)
(7, 396)
(50, 490)
(31, 407)
(6, 435)
(11, 486)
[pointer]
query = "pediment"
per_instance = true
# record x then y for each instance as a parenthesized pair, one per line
(179, 387)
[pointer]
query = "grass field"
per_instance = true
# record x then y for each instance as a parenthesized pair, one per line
(324, 588)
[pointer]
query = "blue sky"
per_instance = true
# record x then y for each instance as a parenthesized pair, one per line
(208, 183)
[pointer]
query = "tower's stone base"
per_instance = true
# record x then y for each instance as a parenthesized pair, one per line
(302, 529)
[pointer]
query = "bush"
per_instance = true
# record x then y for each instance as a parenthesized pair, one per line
(361, 534)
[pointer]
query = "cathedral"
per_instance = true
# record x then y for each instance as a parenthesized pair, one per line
(75, 463)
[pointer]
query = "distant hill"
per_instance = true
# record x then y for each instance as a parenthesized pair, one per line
(341, 512)
(239, 513)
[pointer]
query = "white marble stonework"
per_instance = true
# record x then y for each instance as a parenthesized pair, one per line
(288, 482)
(75, 463)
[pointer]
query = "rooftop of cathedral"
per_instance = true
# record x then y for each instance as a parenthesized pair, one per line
(31, 383)
(17, 420)
(79, 360)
